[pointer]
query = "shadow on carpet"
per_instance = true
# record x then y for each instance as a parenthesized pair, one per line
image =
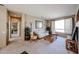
(24, 52)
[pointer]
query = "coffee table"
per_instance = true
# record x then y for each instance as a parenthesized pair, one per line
(51, 37)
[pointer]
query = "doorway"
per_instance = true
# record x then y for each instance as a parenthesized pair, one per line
(14, 28)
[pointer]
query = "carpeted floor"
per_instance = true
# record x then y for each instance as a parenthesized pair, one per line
(37, 47)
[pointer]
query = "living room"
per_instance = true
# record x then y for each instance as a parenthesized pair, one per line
(38, 29)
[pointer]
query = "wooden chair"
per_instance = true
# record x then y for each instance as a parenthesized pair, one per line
(33, 37)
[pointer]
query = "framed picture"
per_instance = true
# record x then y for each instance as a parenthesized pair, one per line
(38, 24)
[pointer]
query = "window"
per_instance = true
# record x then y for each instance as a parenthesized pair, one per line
(59, 26)
(39, 24)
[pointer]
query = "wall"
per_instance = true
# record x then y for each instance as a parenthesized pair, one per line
(3, 26)
(31, 20)
(3, 23)
(23, 26)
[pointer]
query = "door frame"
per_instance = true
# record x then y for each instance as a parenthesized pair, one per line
(8, 27)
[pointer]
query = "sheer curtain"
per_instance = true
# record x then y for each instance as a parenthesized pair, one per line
(53, 26)
(68, 26)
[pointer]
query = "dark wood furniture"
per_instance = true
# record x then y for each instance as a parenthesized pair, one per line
(72, 45)
(48, 38)
(51, 37)
(33, 36)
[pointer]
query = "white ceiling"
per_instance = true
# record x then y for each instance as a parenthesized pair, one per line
(47, 11)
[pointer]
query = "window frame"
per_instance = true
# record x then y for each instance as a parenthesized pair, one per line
(36, 24)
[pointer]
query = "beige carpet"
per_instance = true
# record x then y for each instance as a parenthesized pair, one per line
(37, 47)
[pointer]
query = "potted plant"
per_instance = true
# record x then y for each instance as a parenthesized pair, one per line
(49, 30)
(27, 33)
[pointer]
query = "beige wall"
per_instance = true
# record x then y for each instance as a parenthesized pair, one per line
(32, 19)
(3, 23)
(22, 26)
